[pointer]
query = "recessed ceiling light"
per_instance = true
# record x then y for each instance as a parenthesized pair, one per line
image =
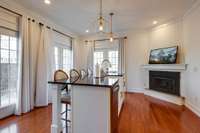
(87, 31)
(155, 22)
(48, 2)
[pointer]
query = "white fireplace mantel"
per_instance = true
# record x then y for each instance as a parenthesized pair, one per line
(169, 68)
(165, 67)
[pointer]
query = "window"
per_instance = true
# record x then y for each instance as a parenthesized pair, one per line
(8, 67)
(113, 58)
(98, 57)
(106, 50)
(63, 58)
(63, 52)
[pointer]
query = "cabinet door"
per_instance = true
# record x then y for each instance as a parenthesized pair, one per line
(114, 110)
(120, 94)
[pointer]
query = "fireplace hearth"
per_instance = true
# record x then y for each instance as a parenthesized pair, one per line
(167, 82)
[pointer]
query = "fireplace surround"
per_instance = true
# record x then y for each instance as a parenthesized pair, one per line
(163, 81)
(173, 98)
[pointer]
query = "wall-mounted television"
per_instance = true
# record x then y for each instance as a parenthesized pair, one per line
(163, 55)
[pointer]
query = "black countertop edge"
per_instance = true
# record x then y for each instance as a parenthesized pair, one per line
(84, 84)
(79, 84)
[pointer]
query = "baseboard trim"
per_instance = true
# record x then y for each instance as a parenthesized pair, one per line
(7, 111)
(193, 108)
(136, 90)
(166, 97)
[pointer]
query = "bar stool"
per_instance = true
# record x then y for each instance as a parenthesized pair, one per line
(65, 96)
(83, 73)
(74, 73)
(89, 71)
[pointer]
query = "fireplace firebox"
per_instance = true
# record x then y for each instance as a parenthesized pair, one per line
(167, 82)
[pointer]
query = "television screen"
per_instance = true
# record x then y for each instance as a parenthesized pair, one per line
(163, 55)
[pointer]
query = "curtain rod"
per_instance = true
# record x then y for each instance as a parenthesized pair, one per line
(34, 21)
(105, 39)
(52, 29)
(62, 33)
(11, 11)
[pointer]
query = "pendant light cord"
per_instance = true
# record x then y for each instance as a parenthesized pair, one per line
(101, 8)
(111, 15)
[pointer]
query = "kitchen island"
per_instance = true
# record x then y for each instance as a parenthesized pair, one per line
(95, 104)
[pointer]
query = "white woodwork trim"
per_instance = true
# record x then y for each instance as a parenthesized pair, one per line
(7, 111)
(192, 107)
(165, 67)
(135, 90)
(56, 125)
(166, 97)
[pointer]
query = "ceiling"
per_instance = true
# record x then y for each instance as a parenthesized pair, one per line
(129, 14)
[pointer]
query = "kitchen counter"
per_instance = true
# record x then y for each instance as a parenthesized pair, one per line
(107, 81)
(95, 103)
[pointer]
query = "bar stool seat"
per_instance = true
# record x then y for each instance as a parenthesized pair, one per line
(66, 98)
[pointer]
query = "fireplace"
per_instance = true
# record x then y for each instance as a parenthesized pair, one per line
(167, 82)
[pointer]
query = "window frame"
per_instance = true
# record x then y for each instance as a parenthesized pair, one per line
(61, 48)
(10, 34)
(106, 56)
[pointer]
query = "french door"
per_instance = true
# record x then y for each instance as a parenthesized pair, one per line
(8, 67)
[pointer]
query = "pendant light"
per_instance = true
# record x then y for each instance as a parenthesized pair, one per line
(111, 32)
(101, 19)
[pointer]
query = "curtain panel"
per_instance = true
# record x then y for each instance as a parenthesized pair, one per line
(36, 65)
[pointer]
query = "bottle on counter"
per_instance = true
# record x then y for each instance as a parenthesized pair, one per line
(97, 72)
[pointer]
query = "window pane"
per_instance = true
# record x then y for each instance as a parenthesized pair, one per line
(13, 56)
(4, 56)
(4, 42)
(98, 57)
(63, 58)
(113, 58)
(13, 43)
(67, 60)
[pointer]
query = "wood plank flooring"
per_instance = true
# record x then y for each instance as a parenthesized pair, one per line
(140, 114)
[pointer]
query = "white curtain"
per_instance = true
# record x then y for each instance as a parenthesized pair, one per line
(122, 43)
(35, 66)
(44, 67)
(90, 54)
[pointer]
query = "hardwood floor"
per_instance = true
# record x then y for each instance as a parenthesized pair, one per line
(140, 114)
(143, 114)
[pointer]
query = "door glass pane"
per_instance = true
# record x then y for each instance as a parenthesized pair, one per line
(67, 60)
(98, 58)
(8, 70)
(4, 42)
(4, 56)
(113, 58)
(13, 43)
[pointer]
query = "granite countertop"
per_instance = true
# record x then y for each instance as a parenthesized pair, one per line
(90, 81)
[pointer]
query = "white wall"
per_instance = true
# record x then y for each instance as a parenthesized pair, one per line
(191, 39)
(182, 32)
(136, 54)
(11, 4)
(167, 35)
(139, 45)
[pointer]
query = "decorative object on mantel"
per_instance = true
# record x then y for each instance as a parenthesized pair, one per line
(163, 55)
